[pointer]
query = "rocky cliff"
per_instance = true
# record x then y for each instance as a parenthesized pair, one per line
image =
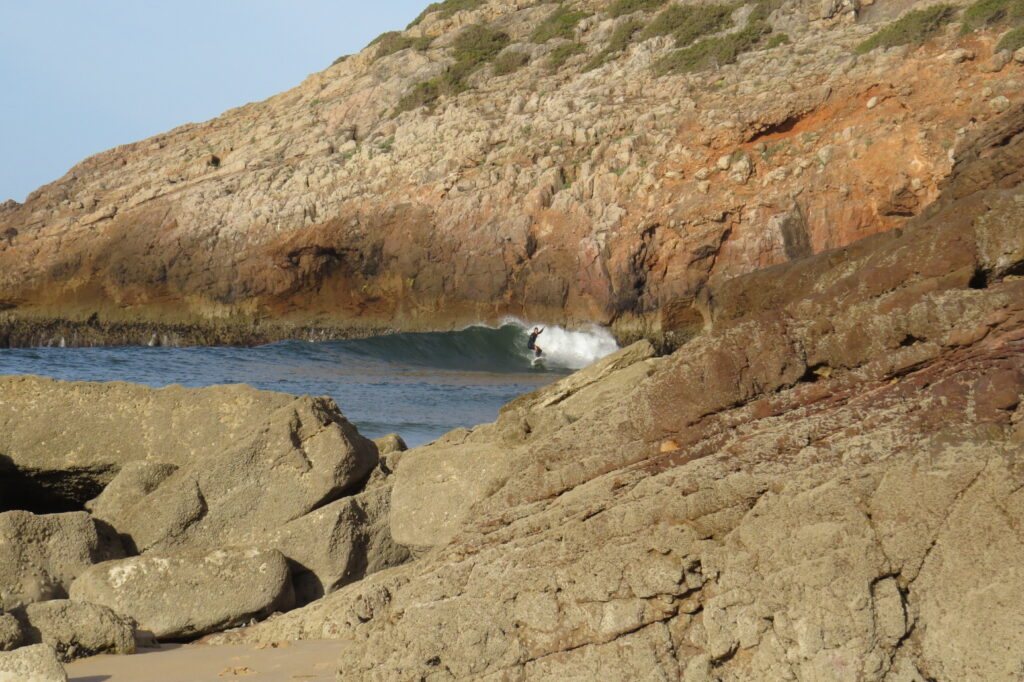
(587, 160)
(822, 486)
(822, 483)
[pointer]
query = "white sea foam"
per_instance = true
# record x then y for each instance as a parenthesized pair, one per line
(569, 349)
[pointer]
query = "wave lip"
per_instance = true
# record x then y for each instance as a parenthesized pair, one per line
(566, 349)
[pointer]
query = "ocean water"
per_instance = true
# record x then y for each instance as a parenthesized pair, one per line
(419, 385)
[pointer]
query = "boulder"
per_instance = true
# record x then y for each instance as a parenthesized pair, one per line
(77, 629)
(10, 632)
(42, 554)
(390, 449)
(37, 663)
(338, 544)
(297, 458)
(191, 592)
(71, 439)
(435, 487)
(134, 481)
(390, 443)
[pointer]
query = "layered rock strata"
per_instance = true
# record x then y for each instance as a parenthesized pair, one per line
(593, 189)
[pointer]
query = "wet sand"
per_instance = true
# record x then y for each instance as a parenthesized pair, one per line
(308, 661)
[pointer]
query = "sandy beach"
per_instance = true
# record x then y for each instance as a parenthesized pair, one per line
(309, 661)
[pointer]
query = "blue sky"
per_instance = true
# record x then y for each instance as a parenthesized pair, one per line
(79, 77)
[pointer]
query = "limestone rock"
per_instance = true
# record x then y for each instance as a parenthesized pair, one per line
(134, 481)
(389, 449)
(77, 629)
(198, 467)
(338, 544)
(436, 485)
(43, 554)
(190, 592)
(37, 663)
(205, 433)
(813, 488)
(997, 61)
(10, 632)
(389, 444)
(339, 211)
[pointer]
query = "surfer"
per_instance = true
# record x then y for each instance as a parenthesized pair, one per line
(532, 343)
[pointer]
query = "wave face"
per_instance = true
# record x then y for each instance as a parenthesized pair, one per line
(420, 385)
(489, 349)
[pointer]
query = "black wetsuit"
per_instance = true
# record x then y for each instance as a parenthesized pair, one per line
(532, 343)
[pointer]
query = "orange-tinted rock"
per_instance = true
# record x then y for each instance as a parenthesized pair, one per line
(571, 195)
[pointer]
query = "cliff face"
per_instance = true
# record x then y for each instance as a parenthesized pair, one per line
(585, 184)
(824, 485)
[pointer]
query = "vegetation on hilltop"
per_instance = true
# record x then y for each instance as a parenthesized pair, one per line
(993, 13)
(509, 61)
(686, 23)
(561, 54)
(474, 47)
(713, 51)
(623, 7)
(446, 8)
(987, 13)
(913, 28)
(395, 41)
(1012, 41)
(559, 24)
(620, 39)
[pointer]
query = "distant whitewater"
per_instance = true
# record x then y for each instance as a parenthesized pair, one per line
(420, 385)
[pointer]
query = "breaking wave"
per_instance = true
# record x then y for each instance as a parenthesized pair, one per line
(485, 348)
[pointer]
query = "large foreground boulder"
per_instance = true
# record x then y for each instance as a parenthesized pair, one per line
(338, 544)
(241, 449)
(42, 554)
(37, 663)
(77, 629)
(301, 456)
(190, 593)
(211, 468)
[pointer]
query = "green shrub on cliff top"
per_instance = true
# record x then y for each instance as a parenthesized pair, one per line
(714, 52)
(560, 54)
(473, 47)
(509, 62)
(478, 44)
(623, 7)
(620, 38)
(394, 41)
(985, 13)
(446, 9)
(559, 24)
(913, 28)
(686, 23)
(1012, 41)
